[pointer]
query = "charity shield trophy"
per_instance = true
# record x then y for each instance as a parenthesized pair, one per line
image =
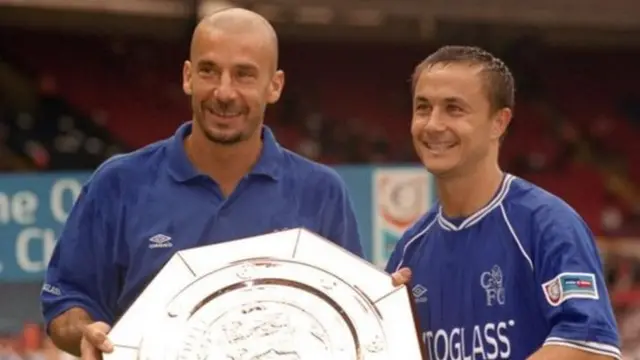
(289, 295)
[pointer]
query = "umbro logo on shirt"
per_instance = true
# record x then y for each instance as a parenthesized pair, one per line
(419, 293)
(160, 241)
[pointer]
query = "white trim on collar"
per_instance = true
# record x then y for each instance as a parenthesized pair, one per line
(480, 214)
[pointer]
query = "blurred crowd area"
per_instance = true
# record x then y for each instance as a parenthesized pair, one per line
(69, 101)
(29, 344)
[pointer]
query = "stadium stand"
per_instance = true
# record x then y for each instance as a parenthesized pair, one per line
(340, 116)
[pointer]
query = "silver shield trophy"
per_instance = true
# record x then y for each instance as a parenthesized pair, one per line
(288, 295)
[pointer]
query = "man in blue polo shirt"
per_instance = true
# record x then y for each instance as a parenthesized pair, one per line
(220, 178)
(499, 268)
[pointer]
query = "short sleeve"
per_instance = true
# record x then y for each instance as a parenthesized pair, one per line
(572, 289)
(402, 250)
(81, 272)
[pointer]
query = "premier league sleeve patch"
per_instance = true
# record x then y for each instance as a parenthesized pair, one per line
(570, 285)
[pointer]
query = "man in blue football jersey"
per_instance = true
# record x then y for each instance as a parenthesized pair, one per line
(220, 178)
(499, 268)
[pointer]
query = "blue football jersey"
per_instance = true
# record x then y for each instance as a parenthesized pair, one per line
(521, 273)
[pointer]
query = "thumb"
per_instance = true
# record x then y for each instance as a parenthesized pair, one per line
(401, 277)
(96, 334)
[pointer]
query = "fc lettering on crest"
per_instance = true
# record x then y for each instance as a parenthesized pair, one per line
(492, 283)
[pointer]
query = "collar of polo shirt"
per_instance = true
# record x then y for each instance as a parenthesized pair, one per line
(181, 169)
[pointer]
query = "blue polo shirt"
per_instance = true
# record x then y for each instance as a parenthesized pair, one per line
(521, 273)
(138, 209)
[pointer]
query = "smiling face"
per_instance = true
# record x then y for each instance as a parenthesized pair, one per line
(231, 78)
(454, 125)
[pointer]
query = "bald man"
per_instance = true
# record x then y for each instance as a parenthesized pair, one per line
(220, 177)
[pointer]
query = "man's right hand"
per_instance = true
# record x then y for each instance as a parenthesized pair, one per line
(94, 341)
(401, 277)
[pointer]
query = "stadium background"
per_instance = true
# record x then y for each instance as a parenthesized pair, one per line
(83, 80)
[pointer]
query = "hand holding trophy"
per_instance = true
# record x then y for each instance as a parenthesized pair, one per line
(285, 295)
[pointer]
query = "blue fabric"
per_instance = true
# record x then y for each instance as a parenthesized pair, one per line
(488, 286)
(138, 209)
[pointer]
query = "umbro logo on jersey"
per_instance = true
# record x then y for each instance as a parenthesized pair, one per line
(160, 241)
(419, 293)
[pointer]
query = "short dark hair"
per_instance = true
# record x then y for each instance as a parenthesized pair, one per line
(499, 82)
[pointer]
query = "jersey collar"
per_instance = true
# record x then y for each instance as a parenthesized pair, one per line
(181, 169)
(480, 214)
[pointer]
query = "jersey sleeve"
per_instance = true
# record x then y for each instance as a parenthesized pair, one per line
(81, 272)
(339, 223)
(403, 247)
(572, 288)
